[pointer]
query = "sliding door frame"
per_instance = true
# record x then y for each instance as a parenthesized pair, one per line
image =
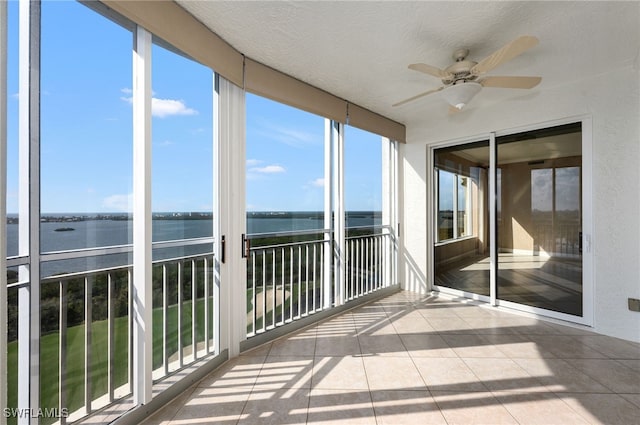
(587, 221)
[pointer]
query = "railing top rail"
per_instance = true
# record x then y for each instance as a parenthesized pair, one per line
(71, 275)
(288, 244)
(370, 235)
(118, 249)
(286, 233)
(310, 231)
(380, 226)
(17, 261)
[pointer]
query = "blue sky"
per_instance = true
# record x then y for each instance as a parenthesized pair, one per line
(86, 126)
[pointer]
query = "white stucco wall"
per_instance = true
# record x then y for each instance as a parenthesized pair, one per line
(612, 101)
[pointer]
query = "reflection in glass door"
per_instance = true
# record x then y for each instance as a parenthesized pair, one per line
(540, 219)
(461, 251)
(532, 257)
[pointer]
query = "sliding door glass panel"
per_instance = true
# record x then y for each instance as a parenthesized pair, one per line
(540, 220)
(85, 180)
(12, 195)
(461, 251)
(364, 244)
(285, 212)
(85, 130)
(12, 199)
(182, 205)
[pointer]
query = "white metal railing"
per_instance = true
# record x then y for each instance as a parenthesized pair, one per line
(286, 281)
(369, 264)
(86, 328)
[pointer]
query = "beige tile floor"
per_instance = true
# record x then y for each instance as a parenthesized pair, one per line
(408, 359)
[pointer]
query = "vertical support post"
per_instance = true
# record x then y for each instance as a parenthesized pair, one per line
(29, 206)
(218, 212)
(142, 283)
(3, 209)
(493, 233)
(337, 137)
(328, 215)
(231, 171)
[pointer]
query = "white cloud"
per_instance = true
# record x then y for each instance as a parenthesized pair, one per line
(169, 107)
(162, 107)
(269, 169)
(319, 182)
(118, 202)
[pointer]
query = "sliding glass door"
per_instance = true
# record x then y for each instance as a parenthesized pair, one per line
(461, 251)
(540, 219)
(532, 255)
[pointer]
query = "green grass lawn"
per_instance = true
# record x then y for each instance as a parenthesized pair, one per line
(75, 387)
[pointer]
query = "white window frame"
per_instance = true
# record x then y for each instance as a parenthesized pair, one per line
(468, 227)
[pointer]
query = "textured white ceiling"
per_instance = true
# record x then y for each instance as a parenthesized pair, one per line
(360, 50)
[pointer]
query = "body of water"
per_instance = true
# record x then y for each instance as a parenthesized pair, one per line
(92, 233)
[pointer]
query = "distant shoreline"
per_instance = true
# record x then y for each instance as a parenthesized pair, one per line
(74, 217)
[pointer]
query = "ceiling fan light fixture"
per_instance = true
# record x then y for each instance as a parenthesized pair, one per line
(458, 95)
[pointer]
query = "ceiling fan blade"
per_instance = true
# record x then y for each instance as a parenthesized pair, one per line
(508, 52)
(418, 96)
(430, 70)
(511, 82)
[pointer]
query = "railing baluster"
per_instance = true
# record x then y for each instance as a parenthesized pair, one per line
(130, 328)
(352, 269)
(282, 309)
(291, 283)
(315, 281)
(383, 261)
(207, 312)
(264, 290)
(374, 262)
(165, 320)
(88, 317)
(358, 268)
(180, 298)
(273, 285)
(62, 351)
(306, 279)
(369, 276)
(321, 263)
(110, 337)
(255, 293)
(194, 311)
(299, 282)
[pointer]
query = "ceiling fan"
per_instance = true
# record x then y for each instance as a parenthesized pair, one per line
(464, 79)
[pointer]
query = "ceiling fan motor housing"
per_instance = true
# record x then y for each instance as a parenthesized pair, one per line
(460, 70)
